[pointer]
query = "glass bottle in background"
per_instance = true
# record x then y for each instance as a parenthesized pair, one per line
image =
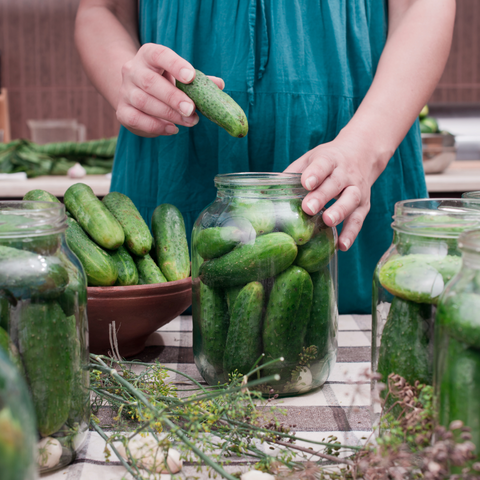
(264, 282)
(457, 343)
(43, 301)
(408, 282)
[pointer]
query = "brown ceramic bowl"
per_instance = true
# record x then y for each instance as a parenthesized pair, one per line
(137, 310)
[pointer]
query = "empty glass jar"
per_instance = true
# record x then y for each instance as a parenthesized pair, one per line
(264, 285)
(43, 303)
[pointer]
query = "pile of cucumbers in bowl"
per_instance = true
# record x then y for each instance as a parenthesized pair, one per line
(113, 242)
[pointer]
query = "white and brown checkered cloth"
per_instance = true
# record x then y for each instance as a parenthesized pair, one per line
(340, 408)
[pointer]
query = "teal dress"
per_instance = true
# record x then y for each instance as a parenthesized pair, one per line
(299, 69)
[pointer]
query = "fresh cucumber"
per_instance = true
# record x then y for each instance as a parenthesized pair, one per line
(418, 277)
(259, 212)
(286, 320)
(75, 294)
(460, 317)
(4, 312)
(127, 271)
(292, 220)
(40, 196)
(171, 245)
(317, 253)
(46, 336)
(25, 274)
(268, 256)
(321, 326)
(244, 338)
(138, 238)
(148, 271)
(216, 105)
(214, 322)
(231, 295)
(98, 265)
(93, 216)
(217, 241)
(404, 347)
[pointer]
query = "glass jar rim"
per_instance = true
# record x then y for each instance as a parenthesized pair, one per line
(32, 218)
(437, 217)
(259, 179)
(470, 241)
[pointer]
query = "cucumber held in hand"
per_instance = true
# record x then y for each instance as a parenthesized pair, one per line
(268, 256)
(419, 277)
(46, 336)
(93, 216)
(138, 238)
(98, 265)
(171, 245)
(244, 339)
(25, 274)
(216, 105)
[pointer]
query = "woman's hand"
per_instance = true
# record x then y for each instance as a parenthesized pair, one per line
(149, 103)
(341, 169)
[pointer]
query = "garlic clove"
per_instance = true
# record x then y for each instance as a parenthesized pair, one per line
(146, 453)
(49, 452)
(304, 381)
(174, 462)
(256, 475)
(77, 171)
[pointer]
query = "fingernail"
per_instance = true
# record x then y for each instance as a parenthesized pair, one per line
(313, 205)
(346, 244)
(333, 217)
(186, 108)
(171, 129)
(192, 120)
(311, 182)
(186, 74)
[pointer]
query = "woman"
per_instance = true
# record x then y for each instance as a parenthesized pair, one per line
(328, 89)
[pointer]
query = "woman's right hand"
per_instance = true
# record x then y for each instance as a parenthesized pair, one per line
(149, 103)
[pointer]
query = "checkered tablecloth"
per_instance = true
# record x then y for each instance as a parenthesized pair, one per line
(341, 407)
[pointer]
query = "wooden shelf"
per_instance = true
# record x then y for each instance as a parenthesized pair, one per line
(4, 115)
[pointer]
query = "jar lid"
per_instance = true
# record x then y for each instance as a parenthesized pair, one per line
(470, 241)
(437, 217)
(31, 219)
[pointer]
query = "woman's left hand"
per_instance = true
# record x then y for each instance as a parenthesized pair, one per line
(339, 169)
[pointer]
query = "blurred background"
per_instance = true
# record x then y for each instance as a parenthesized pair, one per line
(42, 79)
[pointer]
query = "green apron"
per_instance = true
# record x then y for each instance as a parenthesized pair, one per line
(299, 69)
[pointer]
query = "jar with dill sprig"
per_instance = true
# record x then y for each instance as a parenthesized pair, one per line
(264, 286)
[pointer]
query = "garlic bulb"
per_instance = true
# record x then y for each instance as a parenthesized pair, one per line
(77, 171)
(151, 457)
(49, 452)
(256, 475)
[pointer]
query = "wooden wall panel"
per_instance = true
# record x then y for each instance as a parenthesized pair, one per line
(42, 70)
(44, 76)
(460, 82)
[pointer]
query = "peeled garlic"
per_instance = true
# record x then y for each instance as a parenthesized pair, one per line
(149, 456)
(256, 475)
(304, 381)
(49, 452)
(77, 171)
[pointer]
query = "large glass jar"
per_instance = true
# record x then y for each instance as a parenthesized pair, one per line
(408, 281)
(264, 285)
(457, 343)
(43, 303)
(18, 435)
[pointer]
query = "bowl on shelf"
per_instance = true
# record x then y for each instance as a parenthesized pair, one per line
(439, 151)
(137, 310)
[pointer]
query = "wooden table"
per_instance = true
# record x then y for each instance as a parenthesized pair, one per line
(461, 176)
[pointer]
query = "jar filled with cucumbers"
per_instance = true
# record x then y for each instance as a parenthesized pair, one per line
(457, 343)
(408, 282)
(264, 286)
(43, 323)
